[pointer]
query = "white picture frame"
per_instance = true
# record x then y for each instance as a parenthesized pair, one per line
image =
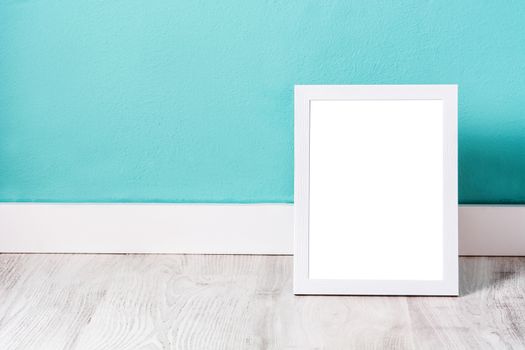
(340, 248)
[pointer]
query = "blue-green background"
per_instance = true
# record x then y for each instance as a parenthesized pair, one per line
(191, 101)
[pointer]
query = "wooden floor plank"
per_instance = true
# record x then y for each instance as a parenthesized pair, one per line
(489, 314)
(52, 300)
(242, 302)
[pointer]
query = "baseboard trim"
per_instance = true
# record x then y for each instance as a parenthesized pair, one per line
(147, 228)
(210, 228)
(492, 230)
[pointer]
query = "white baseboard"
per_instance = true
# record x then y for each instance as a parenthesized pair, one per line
(210, 228)
(492, 230)
(147, 228)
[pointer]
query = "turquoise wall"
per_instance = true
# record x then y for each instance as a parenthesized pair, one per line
(191, 101)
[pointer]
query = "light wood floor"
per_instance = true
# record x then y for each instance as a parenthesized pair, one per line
(242, 302)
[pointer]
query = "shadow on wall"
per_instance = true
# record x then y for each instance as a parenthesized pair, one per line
(492, 164)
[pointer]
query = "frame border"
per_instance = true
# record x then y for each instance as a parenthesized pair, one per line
(303, 285)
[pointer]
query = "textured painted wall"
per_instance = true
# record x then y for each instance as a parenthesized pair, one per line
(191, 101)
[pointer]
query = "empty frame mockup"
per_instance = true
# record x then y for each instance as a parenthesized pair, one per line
(376, 189)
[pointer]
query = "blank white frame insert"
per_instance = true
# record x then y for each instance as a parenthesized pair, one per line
(376, 190)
